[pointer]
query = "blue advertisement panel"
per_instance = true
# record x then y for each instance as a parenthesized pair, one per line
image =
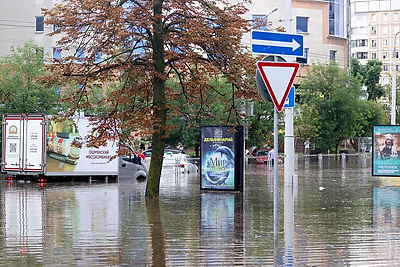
(386, 146)
(221, 157)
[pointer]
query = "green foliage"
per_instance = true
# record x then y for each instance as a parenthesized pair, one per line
(20, 88)
(368, 75)
(333, 96)
(261, 124)
(218, 108)
(306, 122)
(372, 114)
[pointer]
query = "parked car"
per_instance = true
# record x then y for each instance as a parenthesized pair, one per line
(147, 152)
(174, 159)
(179, 162)
(259, 156)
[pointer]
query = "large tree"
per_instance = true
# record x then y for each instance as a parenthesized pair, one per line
(142, 45)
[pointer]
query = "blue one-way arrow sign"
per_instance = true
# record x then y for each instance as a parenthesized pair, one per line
(264, 42)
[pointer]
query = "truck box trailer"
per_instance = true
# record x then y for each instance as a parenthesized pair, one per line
(38, 146)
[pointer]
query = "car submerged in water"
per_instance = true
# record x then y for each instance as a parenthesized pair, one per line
(260, 156)
(174, 159)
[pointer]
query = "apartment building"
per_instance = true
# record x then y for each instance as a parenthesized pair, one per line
(375, 26)
(323, 23)
(21, 21)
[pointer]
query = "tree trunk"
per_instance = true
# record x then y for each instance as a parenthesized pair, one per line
(159, 105)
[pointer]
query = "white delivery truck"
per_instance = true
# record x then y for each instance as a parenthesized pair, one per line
(36, 146)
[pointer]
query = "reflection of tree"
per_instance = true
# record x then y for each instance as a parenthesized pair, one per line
(156, 231)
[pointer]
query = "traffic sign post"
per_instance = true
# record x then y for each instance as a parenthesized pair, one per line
(278, 78)
(276, 43)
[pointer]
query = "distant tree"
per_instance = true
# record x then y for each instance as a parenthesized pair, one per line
(261, 126)
(306, 122)
(185, 127)
(369, 76)
(21, 90)
(142, 45)
(371, 113)
(335, 97)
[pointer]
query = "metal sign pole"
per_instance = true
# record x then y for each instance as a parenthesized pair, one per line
(276, 184)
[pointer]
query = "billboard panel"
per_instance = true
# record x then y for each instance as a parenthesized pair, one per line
(222, 157)
(67, 151)
(385, 149)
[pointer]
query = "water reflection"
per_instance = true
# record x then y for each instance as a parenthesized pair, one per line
(221, 228)
(336, 214)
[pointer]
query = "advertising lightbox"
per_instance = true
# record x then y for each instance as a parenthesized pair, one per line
(222, 157)
(385, 150)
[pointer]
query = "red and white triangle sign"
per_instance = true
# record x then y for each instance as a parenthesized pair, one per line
(278, 78)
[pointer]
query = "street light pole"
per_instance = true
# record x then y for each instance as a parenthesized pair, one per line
(394, 83)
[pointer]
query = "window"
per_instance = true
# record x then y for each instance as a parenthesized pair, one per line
(384, 67)
(384, 42)
(397, 67)
(353, 43)
(373, 43)
(384, 55)
(338, 18)
(256, 19)
(332, 55)
(39, 24)
(385, 81)
(385, 30)
(56, 27)
(304, 59)
(56, 53)
(373, 17)
(395, 16)
(362, 55)
(373, 55)
(301, 24)
(361, 42)
(373, 30)
(384, 16)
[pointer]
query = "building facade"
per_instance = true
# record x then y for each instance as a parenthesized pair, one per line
(322, 23)
(375, 26)
(22, 20)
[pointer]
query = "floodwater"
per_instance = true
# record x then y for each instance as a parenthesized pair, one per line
(336, 214)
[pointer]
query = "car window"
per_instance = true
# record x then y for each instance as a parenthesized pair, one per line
(127, 158)
(147, 153)
(262, 153)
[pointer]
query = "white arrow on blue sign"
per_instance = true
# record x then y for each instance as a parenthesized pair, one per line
(265, 42)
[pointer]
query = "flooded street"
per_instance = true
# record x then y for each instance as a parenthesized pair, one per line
(337, 214)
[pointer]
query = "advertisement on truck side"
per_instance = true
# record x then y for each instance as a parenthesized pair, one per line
(67, 151)
(42, 145)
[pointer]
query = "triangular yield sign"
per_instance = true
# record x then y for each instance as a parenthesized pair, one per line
(278, 78)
